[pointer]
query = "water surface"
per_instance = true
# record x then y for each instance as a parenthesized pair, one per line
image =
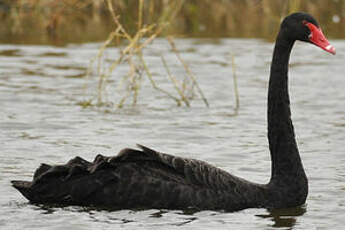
(41, 121)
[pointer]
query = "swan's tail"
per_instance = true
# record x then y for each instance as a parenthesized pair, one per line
(24, 187)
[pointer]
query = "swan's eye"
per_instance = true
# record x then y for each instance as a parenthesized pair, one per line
(306, 23)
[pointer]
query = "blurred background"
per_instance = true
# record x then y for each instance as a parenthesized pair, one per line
(77, 21)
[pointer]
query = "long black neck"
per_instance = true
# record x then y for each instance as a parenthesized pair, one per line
(286, 162)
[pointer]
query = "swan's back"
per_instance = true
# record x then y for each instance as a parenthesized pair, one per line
(140, 179)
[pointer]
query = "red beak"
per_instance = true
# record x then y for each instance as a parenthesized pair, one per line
(316, 37)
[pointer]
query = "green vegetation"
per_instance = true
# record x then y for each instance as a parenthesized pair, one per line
(63, 21)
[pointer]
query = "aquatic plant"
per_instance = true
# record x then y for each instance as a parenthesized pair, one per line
(132, 55)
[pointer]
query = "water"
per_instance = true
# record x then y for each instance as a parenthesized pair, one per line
(40, 121)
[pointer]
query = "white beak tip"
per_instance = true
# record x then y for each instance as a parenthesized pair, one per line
(330, 49)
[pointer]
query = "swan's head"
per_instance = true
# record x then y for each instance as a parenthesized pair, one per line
(303, 27)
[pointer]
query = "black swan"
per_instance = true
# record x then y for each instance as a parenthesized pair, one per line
(149, 179)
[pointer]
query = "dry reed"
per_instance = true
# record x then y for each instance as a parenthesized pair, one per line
(234, 77)
(144, 35)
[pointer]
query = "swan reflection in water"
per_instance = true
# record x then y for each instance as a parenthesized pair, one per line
(284, 218)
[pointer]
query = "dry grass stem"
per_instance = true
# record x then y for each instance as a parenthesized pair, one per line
(234, 77)
(176, 84)
(188, 71)
(153, 83)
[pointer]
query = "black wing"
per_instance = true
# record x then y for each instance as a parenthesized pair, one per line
(137, 179)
